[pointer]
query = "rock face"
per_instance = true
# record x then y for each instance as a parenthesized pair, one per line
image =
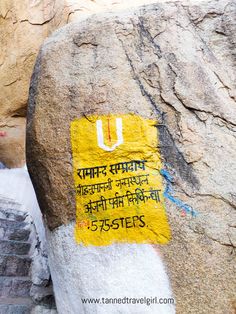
(23, 27)
(173, 63)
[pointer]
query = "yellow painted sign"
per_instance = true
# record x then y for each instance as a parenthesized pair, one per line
(119, 192)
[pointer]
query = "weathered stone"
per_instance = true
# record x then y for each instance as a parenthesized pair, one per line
(10, 210)
(14, 247)
(18, 235)
(17, 226)
(17, 216)
(14, 230)
(12, 265)
(31, 22)
(40, 293)
(12, 144)
(40, 270)
(2, 233)
(15, 287)
(12, 224)
(159, 62)
(40, 309)
(15, 309)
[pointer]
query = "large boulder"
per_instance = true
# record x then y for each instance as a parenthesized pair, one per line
(23, 27)
(170, 63)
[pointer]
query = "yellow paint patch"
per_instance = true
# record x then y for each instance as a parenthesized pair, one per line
(119, 192)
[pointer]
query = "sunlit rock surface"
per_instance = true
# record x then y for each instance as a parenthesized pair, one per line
(23, 27)
(168, 61)
(25, 24)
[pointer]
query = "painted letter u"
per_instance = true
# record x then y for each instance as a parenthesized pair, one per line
(100, 136)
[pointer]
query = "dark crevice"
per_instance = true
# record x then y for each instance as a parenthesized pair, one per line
(144, 92)
(20, 113)
(145, 33)
(168, 148)
(173, 157)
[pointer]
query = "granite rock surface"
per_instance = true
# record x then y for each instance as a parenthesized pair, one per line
(173, 62)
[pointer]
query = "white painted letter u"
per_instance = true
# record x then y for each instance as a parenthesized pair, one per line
(100, 136)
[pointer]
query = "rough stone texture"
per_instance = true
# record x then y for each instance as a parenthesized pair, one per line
(14, 247)
(172, 61)
(40, 269)
(23, 27)
(15, 287)
(39, 309)
(24, 271)
(9, 228)
(15, 309)
(21, 220)
(14, 265)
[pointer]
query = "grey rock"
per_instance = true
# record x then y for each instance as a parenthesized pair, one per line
(15, 287)
(13, 265)
(15, 305)
(40, 269)
(2, 233)
(16, 215)
(40, 309)
(12, 224)
(18, 235)
(16, 228)
(14, 247)
(40, 293)
(15, 309)
(11, 209)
